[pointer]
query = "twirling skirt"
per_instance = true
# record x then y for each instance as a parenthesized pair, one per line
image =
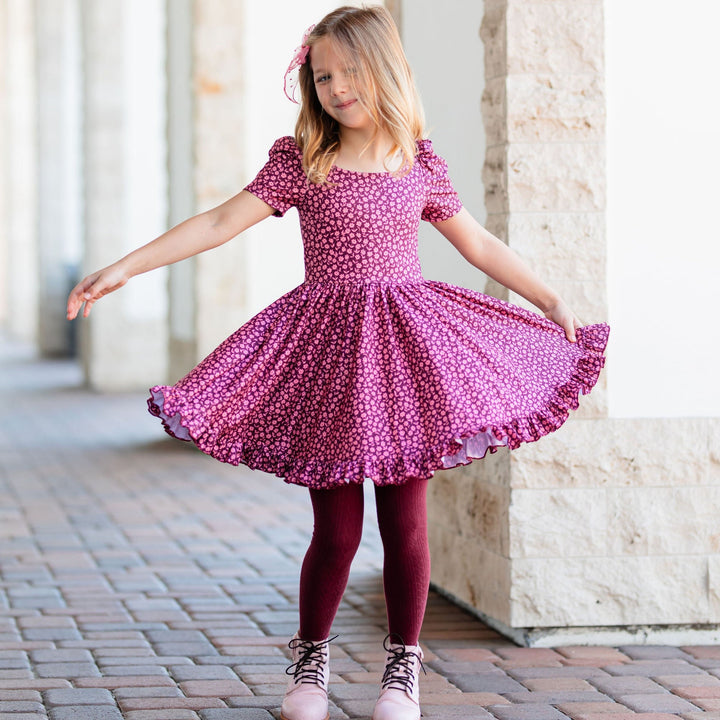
(340, 382)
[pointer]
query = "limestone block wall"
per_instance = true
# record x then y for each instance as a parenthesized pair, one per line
(609, 522)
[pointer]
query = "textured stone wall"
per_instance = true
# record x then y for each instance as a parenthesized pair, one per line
(607, 522)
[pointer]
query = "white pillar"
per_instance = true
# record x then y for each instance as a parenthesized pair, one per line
(59, 166)
(240, 55)
(125, 341)
(20, 248)
(4, 140)
(182, 341)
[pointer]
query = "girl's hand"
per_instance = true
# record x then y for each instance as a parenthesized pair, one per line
(561, 314)
(93, 287)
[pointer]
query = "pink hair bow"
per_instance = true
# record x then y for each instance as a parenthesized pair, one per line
(292, 73)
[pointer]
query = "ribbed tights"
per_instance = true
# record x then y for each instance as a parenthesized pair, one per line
(338, 516)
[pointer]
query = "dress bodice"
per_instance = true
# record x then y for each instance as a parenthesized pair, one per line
(359, 227)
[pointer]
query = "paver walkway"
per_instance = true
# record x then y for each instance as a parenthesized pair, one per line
(142, 580)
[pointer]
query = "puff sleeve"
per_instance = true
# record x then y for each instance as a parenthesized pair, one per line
(281, 183)
(441, 200)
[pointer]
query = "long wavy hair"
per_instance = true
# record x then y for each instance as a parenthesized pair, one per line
(367, 40)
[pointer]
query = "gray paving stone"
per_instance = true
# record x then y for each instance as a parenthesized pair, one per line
(526, 712)
(19, 706)
(133, 670)
(653, 652)
(658, 703)
(17, 662)
(53, 634)
(614, 687)
(188, 649)
(555, 697)
(182, 673)
(236, 714)
(485, 682)
(135, 660)
(60, 655)
(85, 712)
(654, 668)
(175, 636)
(267, 702)
(66, 670)
(79, 696)
(449, 712)
(534, 673)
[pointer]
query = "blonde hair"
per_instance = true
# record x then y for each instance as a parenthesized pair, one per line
(368, 40)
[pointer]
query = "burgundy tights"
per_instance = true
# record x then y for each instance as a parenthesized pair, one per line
(402, 520)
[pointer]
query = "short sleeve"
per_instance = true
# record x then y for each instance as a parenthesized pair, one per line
(441, 201)
(281, 182)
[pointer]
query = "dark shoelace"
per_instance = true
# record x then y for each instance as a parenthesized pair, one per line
(399, 672)
(308, 667)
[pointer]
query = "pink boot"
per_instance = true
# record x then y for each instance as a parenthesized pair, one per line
(306, 697)
(400, 693)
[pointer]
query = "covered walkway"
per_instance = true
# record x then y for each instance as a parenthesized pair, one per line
(142, 580)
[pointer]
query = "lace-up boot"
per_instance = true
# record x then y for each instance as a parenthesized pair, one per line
(400, 692)
(306, 696)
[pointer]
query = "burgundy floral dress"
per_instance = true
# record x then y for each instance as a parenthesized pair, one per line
(367, 370)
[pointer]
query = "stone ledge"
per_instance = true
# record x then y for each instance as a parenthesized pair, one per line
(558, 592)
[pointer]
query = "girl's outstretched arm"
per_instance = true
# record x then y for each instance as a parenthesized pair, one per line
(195, 235)
(489, 254)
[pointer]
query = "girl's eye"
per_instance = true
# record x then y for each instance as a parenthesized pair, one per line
(321, 79)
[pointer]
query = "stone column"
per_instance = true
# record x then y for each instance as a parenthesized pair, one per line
(218, 73)
(58, 107)
(543, 111)
(4, 240)
(605, 531)
(20, 171)
(240, 53)
(182, 340)
(125, 340)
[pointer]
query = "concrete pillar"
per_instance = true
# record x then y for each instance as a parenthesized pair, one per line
(604, 531)
(59, 187)
(20, 172)
(4, 141)
(125, 340)
(218, 37)
(240, 54)
(182, 340)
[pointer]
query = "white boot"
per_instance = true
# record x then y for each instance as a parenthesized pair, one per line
(306, 696)
(400, 692)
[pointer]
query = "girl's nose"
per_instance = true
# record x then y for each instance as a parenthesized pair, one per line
(339, 86)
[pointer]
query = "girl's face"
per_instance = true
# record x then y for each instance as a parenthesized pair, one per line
(335, 89)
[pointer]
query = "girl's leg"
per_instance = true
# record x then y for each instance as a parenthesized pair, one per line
(402, 519)
(338, 515)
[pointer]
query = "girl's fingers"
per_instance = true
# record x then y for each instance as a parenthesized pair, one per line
(570, 332)
(86, 291)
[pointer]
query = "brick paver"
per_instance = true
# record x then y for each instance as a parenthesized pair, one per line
(141, 580)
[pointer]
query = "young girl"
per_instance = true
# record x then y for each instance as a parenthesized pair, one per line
(366, 370)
